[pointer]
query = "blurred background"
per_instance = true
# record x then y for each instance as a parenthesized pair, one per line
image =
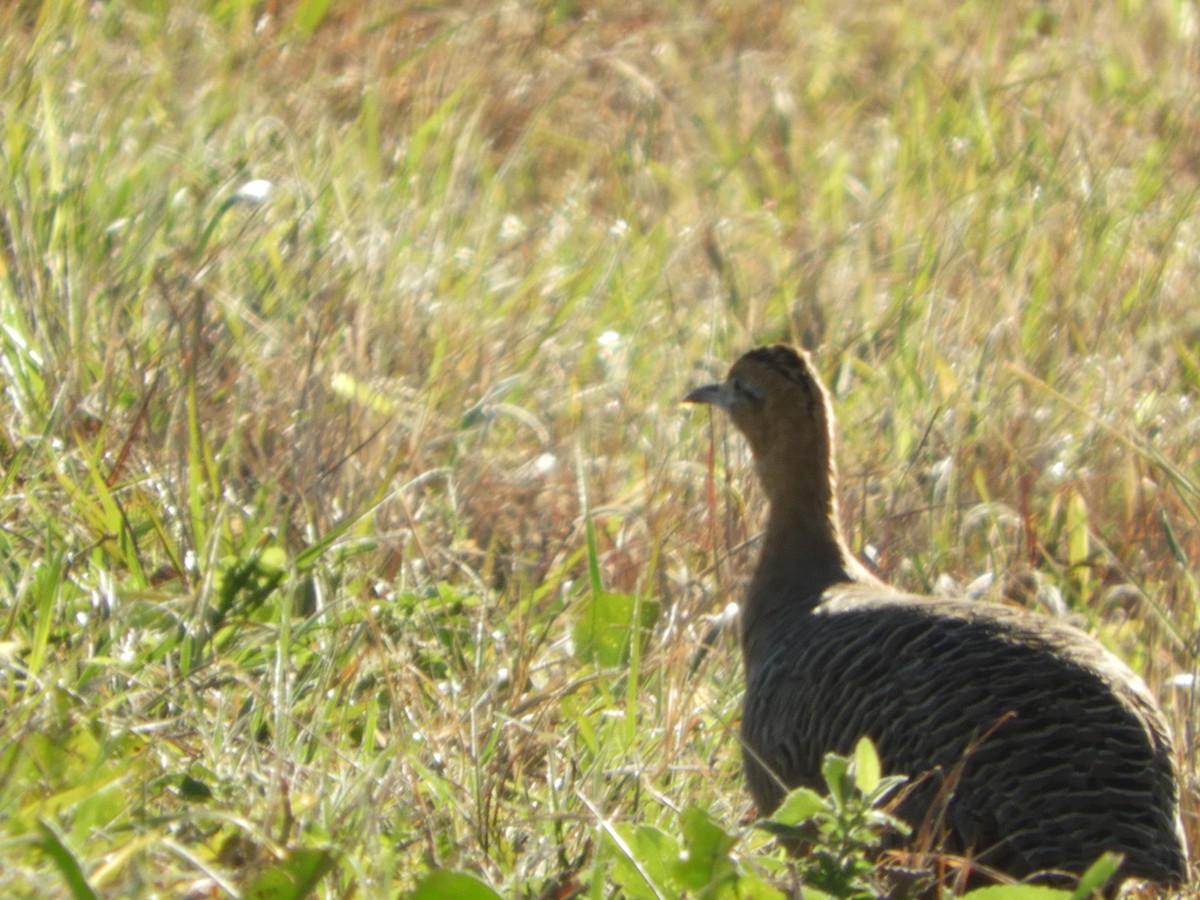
(352, 530)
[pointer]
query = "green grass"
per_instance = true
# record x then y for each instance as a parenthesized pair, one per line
(355, 532)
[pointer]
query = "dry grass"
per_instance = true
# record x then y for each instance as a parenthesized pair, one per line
(306, 499)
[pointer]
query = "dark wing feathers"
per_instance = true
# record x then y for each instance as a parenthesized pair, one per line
(1063, 754)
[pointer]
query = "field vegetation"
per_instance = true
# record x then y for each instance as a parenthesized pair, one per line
(352, 529)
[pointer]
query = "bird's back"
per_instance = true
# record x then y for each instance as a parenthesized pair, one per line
(1058, 751)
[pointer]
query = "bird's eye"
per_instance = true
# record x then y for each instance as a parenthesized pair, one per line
(749, 391)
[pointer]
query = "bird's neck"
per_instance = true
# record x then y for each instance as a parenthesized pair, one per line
(803, 548)
(803, 554)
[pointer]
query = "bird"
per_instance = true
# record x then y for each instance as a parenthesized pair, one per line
(1031, 747)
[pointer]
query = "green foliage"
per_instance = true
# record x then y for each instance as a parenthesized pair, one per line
(1020, 892)
(845, 829)
(649, 864)
(294, 877)
(67, 862)
(1091, 884)
(445, 885)
(609, 624)
(309, 14)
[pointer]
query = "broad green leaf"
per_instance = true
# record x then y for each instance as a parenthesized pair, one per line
(834, 771)
(272, 559)
(642, 867)
(446, 885)
(604, 631)
(294, 877)
(1018, 892)
(193, 790)
(799, 806)
(867, 770)
(750, 887)
(707, 860)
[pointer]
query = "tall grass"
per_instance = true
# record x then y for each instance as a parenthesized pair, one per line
(351, 528)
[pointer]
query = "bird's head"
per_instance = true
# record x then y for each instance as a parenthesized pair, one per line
(776, 400)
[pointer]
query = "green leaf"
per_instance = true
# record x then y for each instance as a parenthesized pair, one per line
(1097, 875)
(1018, 892)
(193, 790)
(751, 887)
(834, 770)
(101, 805)
(867, 770)
(67, 863)
(799, 806)
(272, 560)
(46, 589)
(446, 885)
(707, 860)
(642, 867)
(604, 631)
(294, 877)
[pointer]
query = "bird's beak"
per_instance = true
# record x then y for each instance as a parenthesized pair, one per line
(718, 394)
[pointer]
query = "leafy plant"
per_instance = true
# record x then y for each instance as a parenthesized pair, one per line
(1091, 884)
(444, 884)
(650, 864)
(845, 829)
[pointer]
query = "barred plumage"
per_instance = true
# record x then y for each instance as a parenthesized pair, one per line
(1055, 750)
